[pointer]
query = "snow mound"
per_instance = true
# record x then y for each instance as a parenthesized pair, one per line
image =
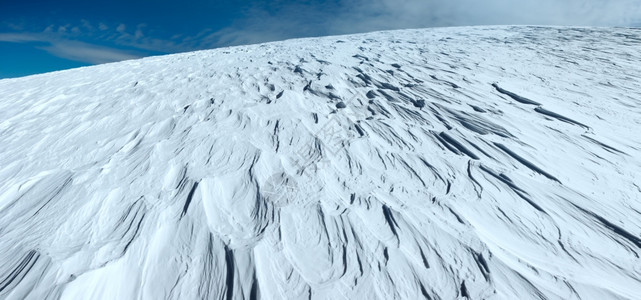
(480, 163)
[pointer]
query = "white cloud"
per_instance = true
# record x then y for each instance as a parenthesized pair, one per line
(16, 27)
(267, 22)
(72, 50)
(86, 25)
(390, 14)
(18, 38)
(88, 53)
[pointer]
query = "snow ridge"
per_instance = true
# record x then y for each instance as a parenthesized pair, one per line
(480, 163)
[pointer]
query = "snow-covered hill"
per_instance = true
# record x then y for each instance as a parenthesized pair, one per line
(487, 163)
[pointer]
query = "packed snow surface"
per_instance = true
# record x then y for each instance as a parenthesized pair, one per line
(480, 163)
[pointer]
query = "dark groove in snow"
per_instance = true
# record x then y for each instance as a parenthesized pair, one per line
(189, 197)
(559, 117)
(450, 140)
(514, 96)
(525, 162)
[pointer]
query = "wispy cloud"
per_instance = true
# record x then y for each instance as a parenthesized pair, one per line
(421, 13)
(95, 42)
(72, 50)
(266, 22)
(83, 52)
(18, 38)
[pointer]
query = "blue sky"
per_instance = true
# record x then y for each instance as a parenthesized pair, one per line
(39, 36)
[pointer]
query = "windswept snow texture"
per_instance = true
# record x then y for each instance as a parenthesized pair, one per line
(487, 163)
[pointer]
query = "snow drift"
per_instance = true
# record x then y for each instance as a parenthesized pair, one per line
(487, 163)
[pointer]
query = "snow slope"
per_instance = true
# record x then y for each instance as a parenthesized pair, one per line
(487, 163)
